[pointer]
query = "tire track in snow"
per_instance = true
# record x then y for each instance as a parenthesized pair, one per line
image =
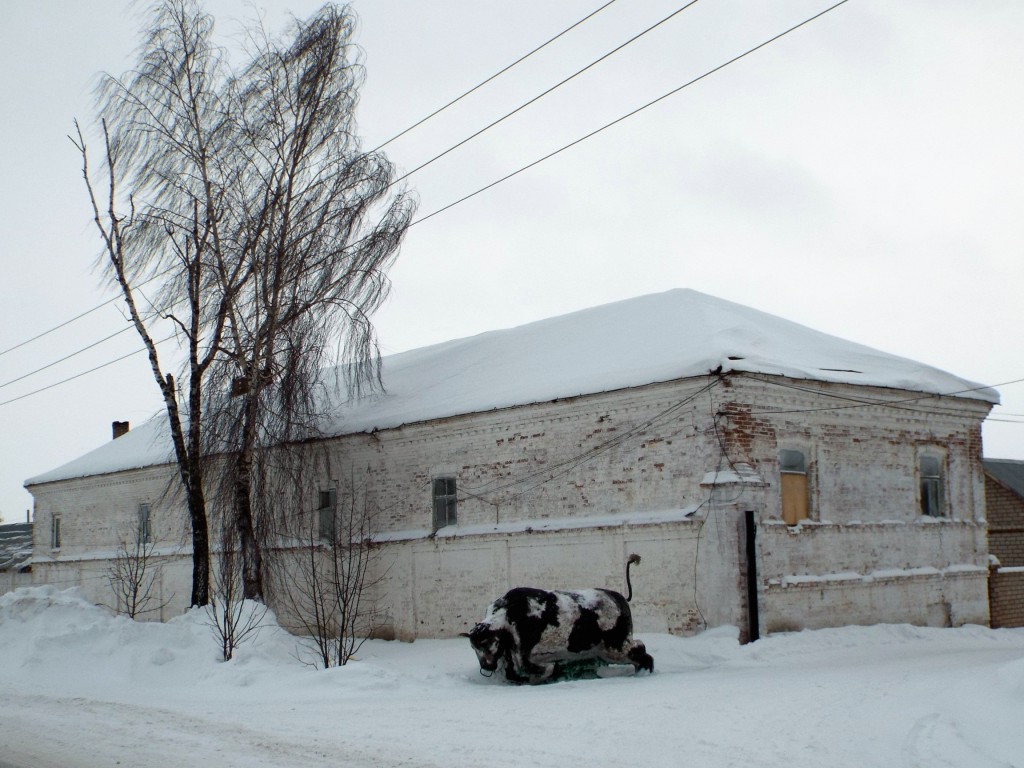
(47, 732)
(932, 742)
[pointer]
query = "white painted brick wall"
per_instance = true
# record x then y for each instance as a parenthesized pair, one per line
(441, 587)
(96, 514)
(637, 450)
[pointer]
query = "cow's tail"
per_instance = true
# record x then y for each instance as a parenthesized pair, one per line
(634, 558)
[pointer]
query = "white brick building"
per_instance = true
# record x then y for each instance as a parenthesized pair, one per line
(674, 425)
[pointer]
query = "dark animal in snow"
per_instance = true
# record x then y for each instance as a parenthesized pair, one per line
(534, 632)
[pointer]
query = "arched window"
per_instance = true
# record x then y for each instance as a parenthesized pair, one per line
(793, 485)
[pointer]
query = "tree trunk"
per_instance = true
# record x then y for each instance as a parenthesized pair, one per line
(200, 546)
(252, 559)
(249, 545)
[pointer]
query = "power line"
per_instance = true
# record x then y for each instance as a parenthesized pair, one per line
(563, 467)
(66, 357)
(83, 373)
(59, 326)
(562, 149)
(418, 123)
(89, 346)
(871, 402)
(546, 157)
(626, 116)
(540, 96)
(497, 74)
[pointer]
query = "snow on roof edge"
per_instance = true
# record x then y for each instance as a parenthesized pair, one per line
(656, 338)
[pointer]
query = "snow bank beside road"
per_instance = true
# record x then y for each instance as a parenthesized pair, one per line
(84, 688)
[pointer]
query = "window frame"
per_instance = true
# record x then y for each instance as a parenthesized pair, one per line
(145, 523)
(931, 488)
(794, 485)
(444, 493)
(327, 514)
(55, 533)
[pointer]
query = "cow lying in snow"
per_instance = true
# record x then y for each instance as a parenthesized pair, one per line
(534, 631)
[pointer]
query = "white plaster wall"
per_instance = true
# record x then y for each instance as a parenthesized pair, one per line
(12, 580)
(942, 600)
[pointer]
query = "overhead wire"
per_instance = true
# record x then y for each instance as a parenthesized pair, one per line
(542, 159)
(83, 373)
(496, 75)
(415, 125)
(868, 402)
(66, 357)
(577, 141)
(563, 467)
(57, 327)
(626, 116)
(77, 317)
(541, 95)
(156, 313)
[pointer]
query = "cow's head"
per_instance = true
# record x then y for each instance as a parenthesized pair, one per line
(488, 644)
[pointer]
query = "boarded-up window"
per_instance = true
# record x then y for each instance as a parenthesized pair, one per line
(930, 470)
(445, 502)
(793, 472)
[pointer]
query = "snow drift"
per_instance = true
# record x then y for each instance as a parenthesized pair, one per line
(85, 688)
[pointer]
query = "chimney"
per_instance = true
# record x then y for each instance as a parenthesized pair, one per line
(119, 428)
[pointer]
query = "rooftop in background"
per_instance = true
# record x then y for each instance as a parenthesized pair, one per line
(645, 340)
(15, 546)
(1009, 472)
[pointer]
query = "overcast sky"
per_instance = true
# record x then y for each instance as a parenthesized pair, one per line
(863, 176)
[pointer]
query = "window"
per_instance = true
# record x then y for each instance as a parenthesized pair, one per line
(932, 481)
(145, 532)
(326, 511)
(55, 532)
(793, 485)
(445, 504)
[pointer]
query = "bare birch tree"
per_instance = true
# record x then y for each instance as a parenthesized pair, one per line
(160, 217)
(319, 227)
(244, 196)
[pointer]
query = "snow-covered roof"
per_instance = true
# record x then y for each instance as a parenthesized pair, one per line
(631, 343)
(1009, 472)
(15, 546)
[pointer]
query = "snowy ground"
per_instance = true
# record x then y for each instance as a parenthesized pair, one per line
(80, 688)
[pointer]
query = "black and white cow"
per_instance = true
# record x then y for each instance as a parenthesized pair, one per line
(533, 631)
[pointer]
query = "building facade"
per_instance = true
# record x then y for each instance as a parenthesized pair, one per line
(760, 491)
(1004, 501)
